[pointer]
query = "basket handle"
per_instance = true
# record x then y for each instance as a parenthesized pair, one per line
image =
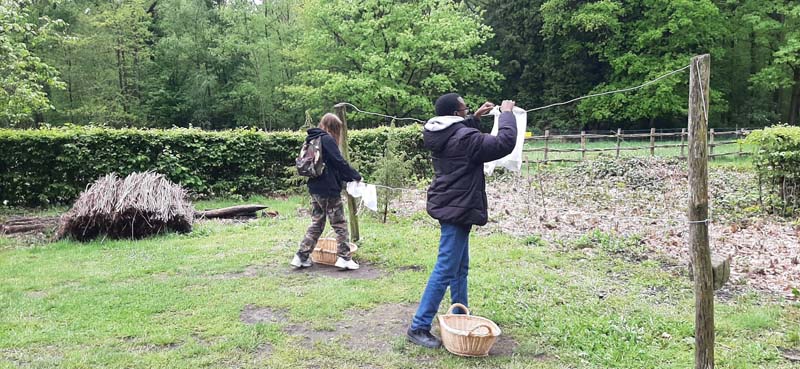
(472, 331)
(458, 305)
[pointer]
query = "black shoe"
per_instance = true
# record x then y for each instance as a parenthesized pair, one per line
(423, 338)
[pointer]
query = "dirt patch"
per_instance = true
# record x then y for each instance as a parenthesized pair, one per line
(366, 271)
(36, 294)
(251, 271)
(379, 330)
(263, 351)
(252, 314)
(374, 330)
(413, 268)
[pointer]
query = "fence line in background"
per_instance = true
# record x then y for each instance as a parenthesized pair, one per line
(620, 137)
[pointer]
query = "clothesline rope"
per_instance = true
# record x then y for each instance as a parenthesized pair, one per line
(550, 105)
(612, 92)
(379, 114)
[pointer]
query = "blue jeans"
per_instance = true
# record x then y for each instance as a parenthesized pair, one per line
(452, 267)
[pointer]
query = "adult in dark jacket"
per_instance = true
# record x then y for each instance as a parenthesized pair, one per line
(457, 198)
(326, 195)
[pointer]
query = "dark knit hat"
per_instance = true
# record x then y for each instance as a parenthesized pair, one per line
(447, 104)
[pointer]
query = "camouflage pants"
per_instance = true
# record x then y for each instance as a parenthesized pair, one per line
(333, 209)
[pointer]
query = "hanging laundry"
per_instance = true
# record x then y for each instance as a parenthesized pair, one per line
(514, 160)
(370, 198)
(367, 192)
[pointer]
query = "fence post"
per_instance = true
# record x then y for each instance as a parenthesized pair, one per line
(546, 138)
(739, 135)
(583, 145)
(683, 133)
(341, 112)
(652, 142)
(711, 143)
(619, 137)
(698, 213)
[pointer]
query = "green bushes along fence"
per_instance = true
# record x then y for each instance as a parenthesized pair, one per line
(54, 165)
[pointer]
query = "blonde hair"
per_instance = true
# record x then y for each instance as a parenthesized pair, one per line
(333, 125)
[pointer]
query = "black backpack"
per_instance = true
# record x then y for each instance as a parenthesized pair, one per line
(309, 163)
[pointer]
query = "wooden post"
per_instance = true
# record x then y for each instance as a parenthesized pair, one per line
(619, 137)
(583, 145)
(683, 133)
(341, 112)
(698, 213)
(739, 135)
(652, 142)
(711, 143)
(546, 138)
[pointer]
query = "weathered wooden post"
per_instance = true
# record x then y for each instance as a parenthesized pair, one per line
(341, 112)
(698, 212)
(652, 142)
(683, 134)
(739, 136)
(711, 143)
(619, 137)
(546, 139)
(583, 145)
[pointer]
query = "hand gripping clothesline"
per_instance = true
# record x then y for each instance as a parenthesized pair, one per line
(369, 197)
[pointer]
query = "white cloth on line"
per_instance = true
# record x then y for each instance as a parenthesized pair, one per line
(514, 160)
(367, 192)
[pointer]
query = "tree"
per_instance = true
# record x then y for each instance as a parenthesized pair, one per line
(25, 79)
(783, 71)
(388, 56)
(635, 43)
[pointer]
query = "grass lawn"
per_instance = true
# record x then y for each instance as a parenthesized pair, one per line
(224, 296)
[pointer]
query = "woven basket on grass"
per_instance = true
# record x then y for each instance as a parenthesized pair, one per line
(325, 251)
(467, 335)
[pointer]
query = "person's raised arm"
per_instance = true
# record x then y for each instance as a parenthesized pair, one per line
(489, 148)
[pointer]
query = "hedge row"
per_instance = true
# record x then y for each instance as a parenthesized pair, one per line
(53, 165)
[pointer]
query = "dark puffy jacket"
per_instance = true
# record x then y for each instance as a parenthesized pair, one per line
(329, 184)
(458, 192)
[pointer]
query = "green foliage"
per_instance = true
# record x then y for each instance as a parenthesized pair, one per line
(53, 165)
(24, 77)
(777, 160)
(391, 57)
(637, 42)
(395, 169)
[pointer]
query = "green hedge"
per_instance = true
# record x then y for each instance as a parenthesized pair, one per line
(54, 165)
(777, 161)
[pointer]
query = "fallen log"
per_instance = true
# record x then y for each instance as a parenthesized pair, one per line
(29, 224)
(237, 211)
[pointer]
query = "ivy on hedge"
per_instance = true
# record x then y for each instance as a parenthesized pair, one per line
(53, 165)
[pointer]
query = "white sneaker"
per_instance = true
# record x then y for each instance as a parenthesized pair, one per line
(297, 263)
(346, 264)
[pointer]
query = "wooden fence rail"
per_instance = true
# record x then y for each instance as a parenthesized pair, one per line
(620, 137)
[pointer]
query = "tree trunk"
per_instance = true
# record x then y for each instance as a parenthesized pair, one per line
(794, 106)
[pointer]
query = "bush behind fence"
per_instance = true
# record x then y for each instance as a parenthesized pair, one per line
(53, 165)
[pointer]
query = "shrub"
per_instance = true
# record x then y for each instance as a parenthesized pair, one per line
(776, 158)
(53, 165)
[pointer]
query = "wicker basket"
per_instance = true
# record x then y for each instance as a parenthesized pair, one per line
(467, 335)
(325, 251)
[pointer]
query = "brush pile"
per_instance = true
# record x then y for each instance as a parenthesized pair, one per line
(138, 206)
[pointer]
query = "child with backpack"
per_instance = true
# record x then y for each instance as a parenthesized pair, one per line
(321, 160)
